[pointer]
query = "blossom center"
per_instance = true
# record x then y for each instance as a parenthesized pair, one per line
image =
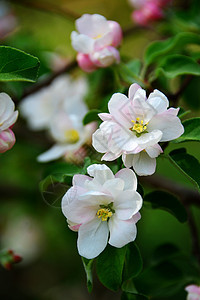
(139, 126)
(105, 211)
(97, 37)
(72, 136)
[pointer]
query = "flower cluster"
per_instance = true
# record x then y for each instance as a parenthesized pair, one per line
(193, 292)
(59, 109)
(148, 11)
(135, 126)
(96, 42)
(8, 117)
(102, 208)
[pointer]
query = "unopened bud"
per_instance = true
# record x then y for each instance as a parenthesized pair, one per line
(7, 140)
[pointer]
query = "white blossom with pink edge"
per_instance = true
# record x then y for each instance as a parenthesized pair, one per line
(103, 208)
(96, 42)
(193, 292)
(134, 126)
(8, 117)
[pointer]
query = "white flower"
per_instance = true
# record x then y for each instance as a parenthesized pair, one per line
(63, 94)
(8, 115)
(103, 209)
(69, 134)
(134, 127)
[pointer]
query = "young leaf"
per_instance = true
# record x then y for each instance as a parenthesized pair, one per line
(109, 267)
(88, 263)
(133, 262)
(187, 163)
(16, 65)
(168, 202)
(161, 48)
(91, 116)
(130, 296)
(191, 132)
(175, 65)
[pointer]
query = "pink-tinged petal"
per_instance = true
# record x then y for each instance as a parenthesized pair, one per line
(80, 180)
(129, 178)
(169, 124)
(116, 31)
(159, 101)
(154, 151)
(82, 43)
(7, 115)
(118, 107)
(127, 160)
(109, 156)
(92, 238)
(94, 198)
(141, 108)
(92, 25)
(104, 41)
(131, 204)
(100, 172)
(121, 232)
(132, 90)
(105, 116)
(173, 111)
(7, 140)
(139, 18)
(73, 226)
(10, 121)
(144, 165)
(85, 63)
(194, 289)
(53, 153)
(105, 57)
(135, 218)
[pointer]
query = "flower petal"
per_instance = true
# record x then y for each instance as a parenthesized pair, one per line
(121, 232)
(132, 90)
(144, 165)
(129, 178)
(53, 153)
(127, 204)
(92, 238)
(128, 160)
(159, 101)
(82, 43)
(169, 124)
(92, 25)
(99, 141)
(154, 151)
(80, 180)
(100, 172)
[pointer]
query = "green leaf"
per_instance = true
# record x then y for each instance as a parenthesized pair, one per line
(175, 65)
(91, 116)
(187, 163)
(133, 262)
(131, 296)
(134, 66)
(16, 65)
(160, 48)
(88, 263)
(191, 132)
(168, 202)
(109, 267)
(164, 252)
(191, 93)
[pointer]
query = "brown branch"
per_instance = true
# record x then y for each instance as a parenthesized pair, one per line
(47, 7)
(186, 195)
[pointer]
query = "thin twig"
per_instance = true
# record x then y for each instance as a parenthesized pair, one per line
(47, 7)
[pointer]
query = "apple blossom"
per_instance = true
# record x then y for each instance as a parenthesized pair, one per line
(103, 208)
(193, 292)
(69, 134)
(63, 94)
(95, 42)
(8, 117)
(134, 127)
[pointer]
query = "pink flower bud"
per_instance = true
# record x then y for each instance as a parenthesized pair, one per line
(116, 33)
(105, 57)
(193, 292)
(147, 14)
(7, 140)
(85, 63)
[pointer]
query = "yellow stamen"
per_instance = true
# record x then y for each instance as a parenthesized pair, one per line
(72, 136)
(104, 214)
(139, 125)
(98, 36)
